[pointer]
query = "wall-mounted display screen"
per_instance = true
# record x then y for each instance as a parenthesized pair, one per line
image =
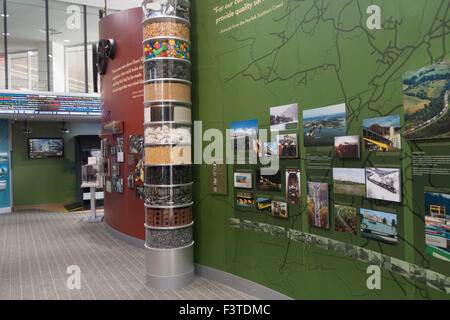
(39, 148)
(35, 103)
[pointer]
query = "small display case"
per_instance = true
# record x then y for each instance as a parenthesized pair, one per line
(166, 175)
(167, 47)
(170, 237)
(167, 69)
(167, 26)
(173, 91)
(166, 8)
(167, 134)
(172, 217)
(165, 197)
(167, 112)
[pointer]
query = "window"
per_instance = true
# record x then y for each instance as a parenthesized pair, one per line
(23, 71)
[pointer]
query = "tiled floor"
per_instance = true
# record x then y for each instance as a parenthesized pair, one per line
(37, 247)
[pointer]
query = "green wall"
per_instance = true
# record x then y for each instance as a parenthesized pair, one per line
(45, 181)
(314, 53)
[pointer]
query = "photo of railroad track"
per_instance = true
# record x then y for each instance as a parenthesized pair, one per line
(425, 102)
(318, 205)
(345, 220)
(350, 181)
(383, 184)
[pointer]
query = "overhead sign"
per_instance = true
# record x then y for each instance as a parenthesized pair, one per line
(16, 103)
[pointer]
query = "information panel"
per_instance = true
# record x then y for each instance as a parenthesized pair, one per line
(41, 103)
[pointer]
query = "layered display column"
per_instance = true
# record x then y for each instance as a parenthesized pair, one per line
(168, 156)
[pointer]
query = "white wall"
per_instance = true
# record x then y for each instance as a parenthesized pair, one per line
(112, 4)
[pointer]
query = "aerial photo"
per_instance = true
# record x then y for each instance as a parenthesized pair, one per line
(425, 101)
(321, 125)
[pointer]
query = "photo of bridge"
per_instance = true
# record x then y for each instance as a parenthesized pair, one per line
(382, 134)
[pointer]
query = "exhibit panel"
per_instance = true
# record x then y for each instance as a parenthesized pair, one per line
(354, 106)
(122, 134)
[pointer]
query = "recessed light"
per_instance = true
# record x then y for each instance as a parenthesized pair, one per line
(66, 40)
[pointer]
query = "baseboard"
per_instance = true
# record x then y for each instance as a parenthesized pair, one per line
(238, 283)
(231, 280)
(5, 210)
(124, 237)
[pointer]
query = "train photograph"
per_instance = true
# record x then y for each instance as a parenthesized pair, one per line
(383, 184)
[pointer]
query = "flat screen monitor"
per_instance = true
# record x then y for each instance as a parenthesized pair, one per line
(39, 148)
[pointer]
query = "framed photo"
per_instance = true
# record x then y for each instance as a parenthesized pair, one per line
(279, 209)
(268, 182)
(382, 134)
(270, 149)
(345, 219)
(287, 145)
(136, 143)
(284, 117)
(321, 125)
(130, 181)
(264, 204)
(245, 199)
(383, 184)
(349, 181)
(425, 102)
(379, 226)
(318, 205)
(243, 180)
(347, 147)
(115, 170)
(437, 223)
(293, 186)
(244, 135)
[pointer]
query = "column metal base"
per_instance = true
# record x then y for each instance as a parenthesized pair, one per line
(170, 268)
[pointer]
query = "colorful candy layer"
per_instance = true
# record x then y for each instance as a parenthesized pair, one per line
(167, 48)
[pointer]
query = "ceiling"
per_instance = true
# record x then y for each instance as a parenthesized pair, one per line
(26, 22)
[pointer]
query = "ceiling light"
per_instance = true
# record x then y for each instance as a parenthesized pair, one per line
(5, 16)
(66, 40)
(6, 34)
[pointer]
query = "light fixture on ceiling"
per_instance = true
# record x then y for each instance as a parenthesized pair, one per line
(51, 31)
(26, 129)
(6, 34)
(66, 40)
(64, 129)
(4, 16)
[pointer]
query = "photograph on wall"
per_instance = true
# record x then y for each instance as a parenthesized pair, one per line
(245, 199)
(321, 125)
(287, 145)
(108, 186)
(383, 184)
(130, 181)
(317, 205)
(117, 185)
(136, 143)
(437, 225)
(425, 102)
(379, 226)
(347, 147)
(284, 117)
(279, 209)
(219, 178)
(382, 134)
(264, 204)
(140, 192)
(268, 182)
(139, 171)
(243, 180)
(293, 186)
(3, 157)
(349, 181)
(3, 169)
(115, 170)
(244, 137)
(2, 185)
(113, 150)
(119, 144)
(345, 219)
(270, 149)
